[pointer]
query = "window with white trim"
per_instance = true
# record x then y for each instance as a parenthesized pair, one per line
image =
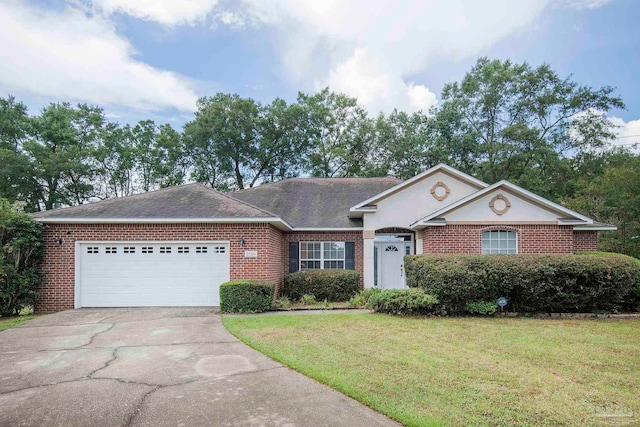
(499, 242)
(322, 256)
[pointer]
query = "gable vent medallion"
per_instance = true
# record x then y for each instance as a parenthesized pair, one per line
(440, 191)
(502, 205)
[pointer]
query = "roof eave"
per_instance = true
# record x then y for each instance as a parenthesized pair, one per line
(275, 221)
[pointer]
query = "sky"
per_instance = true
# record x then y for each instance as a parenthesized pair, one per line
(152, 59)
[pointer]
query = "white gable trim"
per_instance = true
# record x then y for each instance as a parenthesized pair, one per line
(515, 189)
(440, 167)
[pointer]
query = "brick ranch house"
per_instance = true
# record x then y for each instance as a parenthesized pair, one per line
(175, 246)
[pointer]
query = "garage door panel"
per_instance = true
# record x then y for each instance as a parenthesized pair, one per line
(151, 273)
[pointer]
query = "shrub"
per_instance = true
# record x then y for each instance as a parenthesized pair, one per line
(402, 302)
(330, 285)
(543, 283)
(282, 303)
(308, 299)
(485, 308)
(245, 296)
(20, 257)
(360, 300)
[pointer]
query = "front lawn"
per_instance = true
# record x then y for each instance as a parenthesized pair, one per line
(463, 371)
(10, 322)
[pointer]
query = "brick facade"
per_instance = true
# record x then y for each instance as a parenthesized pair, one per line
(585, 241)
(532, 239)
(346, 236)
(57, 290)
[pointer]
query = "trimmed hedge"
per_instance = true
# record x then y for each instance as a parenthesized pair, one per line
(631, 301)
(402, 302)
(245, 296)
(531, 283)
(330, 285)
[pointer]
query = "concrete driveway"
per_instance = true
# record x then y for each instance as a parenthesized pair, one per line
(155, 367)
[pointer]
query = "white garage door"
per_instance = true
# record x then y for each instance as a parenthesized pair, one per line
(127, 274)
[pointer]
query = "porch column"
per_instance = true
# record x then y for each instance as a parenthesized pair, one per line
(367, 265)
(419, 249)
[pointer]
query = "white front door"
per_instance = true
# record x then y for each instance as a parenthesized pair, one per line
(134, 274)
(391, 264)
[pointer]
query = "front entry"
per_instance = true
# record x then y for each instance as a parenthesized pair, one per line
(389, 263)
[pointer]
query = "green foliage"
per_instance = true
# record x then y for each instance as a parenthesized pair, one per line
(282, 303)
(360, 300)
(531, 283)
(308, 299)
(330, 285)
(245, 296)
(517, 121)
(20, 257)
(402, 302)
(485, 308)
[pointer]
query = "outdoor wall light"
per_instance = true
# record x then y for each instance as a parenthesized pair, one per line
(241, 241)
(58, 241)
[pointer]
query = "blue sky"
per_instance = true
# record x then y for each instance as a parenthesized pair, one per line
(153, 58)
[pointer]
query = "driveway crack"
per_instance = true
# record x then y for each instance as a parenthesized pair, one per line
(138, 407)
(96, 334)
(114, 356)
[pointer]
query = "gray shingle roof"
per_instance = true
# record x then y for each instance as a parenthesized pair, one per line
(315, 202)
(183, 201)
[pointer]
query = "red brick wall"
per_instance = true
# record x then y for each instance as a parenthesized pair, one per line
(585, 241)
(346, 236)
(532, 239)
(58, 270)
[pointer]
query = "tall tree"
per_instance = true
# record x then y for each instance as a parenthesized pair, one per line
(236, 142)
(60, 151)
(523, 119)
(404, 145)
(338, 132)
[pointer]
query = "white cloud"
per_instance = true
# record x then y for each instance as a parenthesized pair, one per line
(70, 55)
(585, 4)
(628, 132)
(166, 12)
(372, 49)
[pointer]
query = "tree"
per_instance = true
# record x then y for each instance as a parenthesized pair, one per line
(60, 152)
(404, 145)
(521, 120)
(116, 162)
(338, 132)
(609, 191)
(20, 256)
(236, 142)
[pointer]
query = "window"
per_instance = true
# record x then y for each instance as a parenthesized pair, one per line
(201, 249)
(499, 242)
(129, 250)
(165, 249)
(111, 250)
(183, 249)
(93, 250)
(322, 255)
(219, 249)
(147, 249)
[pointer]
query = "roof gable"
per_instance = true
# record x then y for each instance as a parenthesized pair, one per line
(411, 181)
(191, 201)
(528, 207)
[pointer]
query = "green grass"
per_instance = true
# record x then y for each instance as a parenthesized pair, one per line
(10, 322)
(463, 371)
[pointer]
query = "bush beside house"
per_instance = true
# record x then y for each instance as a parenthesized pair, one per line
(246, 296)
(20, 257)
(329, 285)
(531, 283)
